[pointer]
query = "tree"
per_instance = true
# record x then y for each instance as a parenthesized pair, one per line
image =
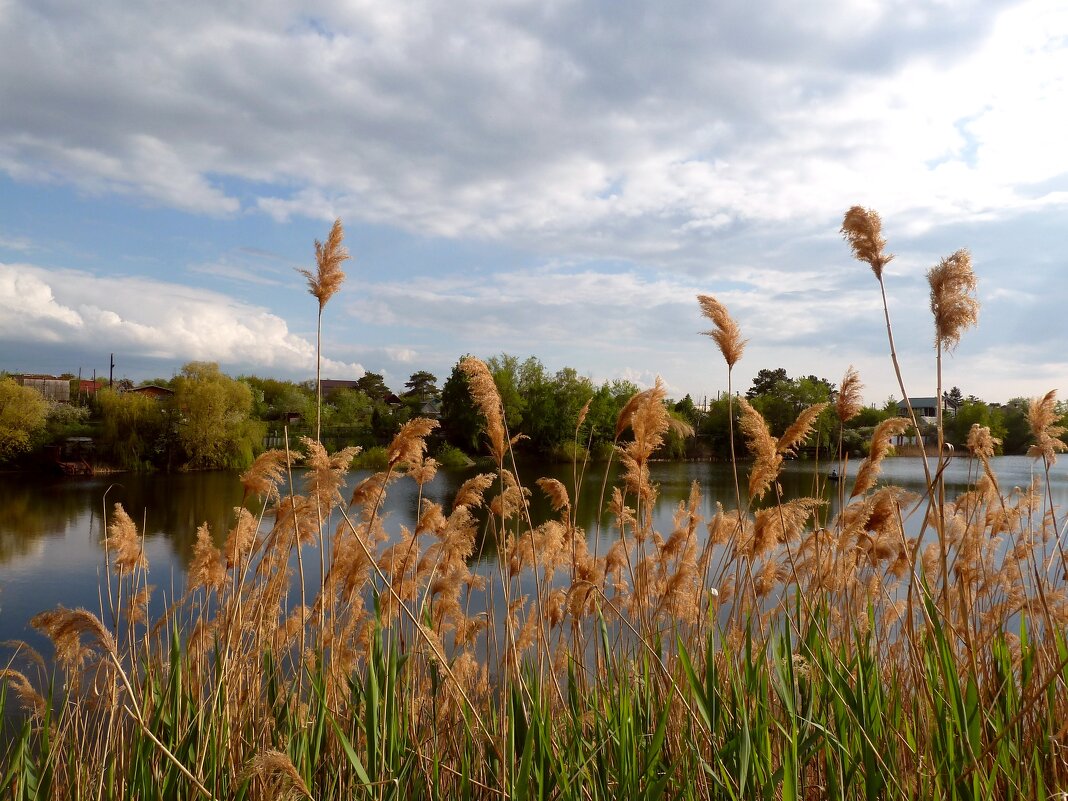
(972, 413)
(214, 427)
(132, 428)
(423, 386)
(373, 385)
(505, 371)
(687, 410)
(461, 422)
(766, 381)
(23, 412)
(954, 397)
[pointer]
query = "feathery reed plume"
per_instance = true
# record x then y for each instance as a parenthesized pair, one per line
(265, 475)
(409, 445)
(623, 421)
(329, 256)
(206, 570)
(322, 284)
(952, 304)
(880, 446)
(556, 492)
(125, 543)
(326, 472)
(471, 491)
(778, 524)
(582, 413)
(242, 538)
(1042, 415)
(726, 332)
(847, 405)
(980, 443)
(484, 392)
(275, 769)
(862, 229)
(763, 446)
(31, 700)
(65, 627)
(800, 429)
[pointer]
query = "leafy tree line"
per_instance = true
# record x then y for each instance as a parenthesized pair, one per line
(213, 420)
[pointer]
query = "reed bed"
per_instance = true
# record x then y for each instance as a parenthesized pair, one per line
(765, 652)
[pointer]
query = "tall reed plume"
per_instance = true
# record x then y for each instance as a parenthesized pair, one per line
(322, 284)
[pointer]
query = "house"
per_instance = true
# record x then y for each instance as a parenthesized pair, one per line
(89, 386)
(332, 385)
(52, 387)
(153, 391)
(926, 409)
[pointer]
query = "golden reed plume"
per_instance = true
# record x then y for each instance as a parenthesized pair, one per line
(880, 446)
(328, 276)
(848, 403)
(726, 332)
(1042, 415)
(862, 229)
(952, 303)
(484, 392)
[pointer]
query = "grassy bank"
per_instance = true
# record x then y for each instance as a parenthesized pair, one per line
(755, 654)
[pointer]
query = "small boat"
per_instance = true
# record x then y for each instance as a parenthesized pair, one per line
(833, 476)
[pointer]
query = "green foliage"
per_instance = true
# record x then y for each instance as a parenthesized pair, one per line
(969, 413)
(374, 458)
(23, 413)
(461, 422)
(451, 457)
(214, 428)
(422, 386)
(132, 428)
(373, 385)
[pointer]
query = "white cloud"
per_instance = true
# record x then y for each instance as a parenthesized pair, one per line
(149, 318)
(636, 134)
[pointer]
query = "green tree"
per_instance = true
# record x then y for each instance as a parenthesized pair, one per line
(972, 412)
(23, 413)
(461, 422)
(687, 410)
(132, 428)
(373, 385)
(505, 370)
(423, 386)
(766, 382)
(214, 428)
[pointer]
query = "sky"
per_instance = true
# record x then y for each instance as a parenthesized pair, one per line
(533, 177)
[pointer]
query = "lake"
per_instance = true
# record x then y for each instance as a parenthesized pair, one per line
(51, 528)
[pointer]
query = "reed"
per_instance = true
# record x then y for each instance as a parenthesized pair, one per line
(760, 653)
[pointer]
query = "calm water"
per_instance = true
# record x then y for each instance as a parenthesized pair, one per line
(51, 529)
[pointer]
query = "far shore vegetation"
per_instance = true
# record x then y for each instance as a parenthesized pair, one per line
(911, 645)
(205, 419)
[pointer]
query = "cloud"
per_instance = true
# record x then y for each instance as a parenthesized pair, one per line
(150, 319)
(638, 134)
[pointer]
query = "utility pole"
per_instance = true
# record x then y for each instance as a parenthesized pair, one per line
(111, 375)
